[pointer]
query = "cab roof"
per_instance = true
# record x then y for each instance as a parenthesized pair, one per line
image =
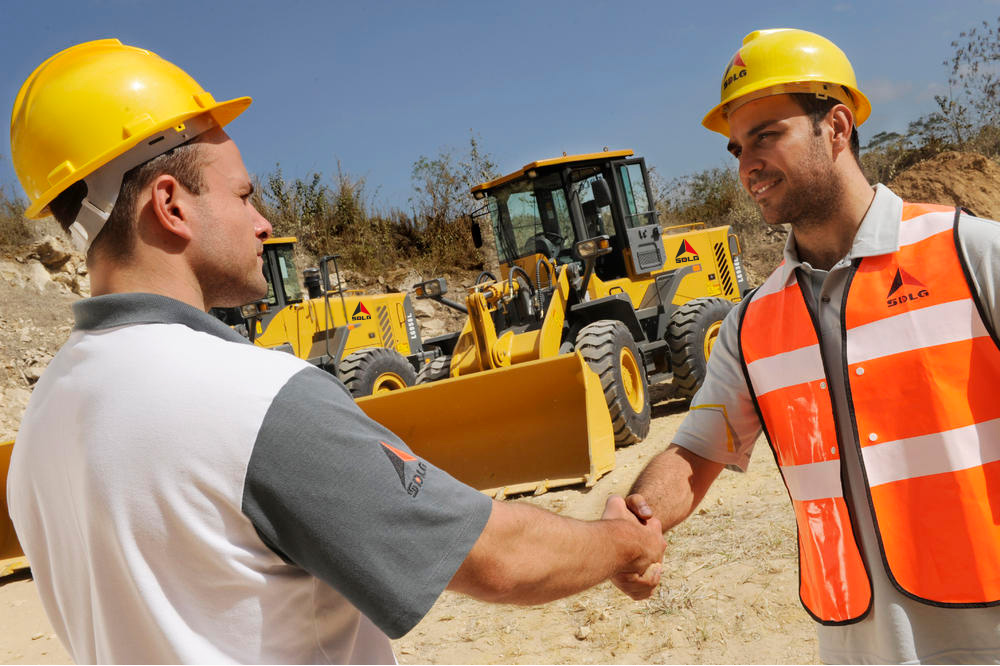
(565, 159)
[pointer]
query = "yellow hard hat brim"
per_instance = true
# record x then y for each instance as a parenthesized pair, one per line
(717, 120)
(222, 113)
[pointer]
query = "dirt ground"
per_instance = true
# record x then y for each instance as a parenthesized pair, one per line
(728, 593)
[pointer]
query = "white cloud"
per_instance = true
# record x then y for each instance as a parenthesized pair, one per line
(880, 91)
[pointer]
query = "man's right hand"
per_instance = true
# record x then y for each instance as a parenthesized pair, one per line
(641, 577)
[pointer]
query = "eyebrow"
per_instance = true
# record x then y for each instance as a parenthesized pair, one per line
(753, 130)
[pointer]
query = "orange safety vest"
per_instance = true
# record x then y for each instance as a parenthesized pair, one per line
(922, 370)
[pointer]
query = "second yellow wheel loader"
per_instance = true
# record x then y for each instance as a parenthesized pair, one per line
(371, 342)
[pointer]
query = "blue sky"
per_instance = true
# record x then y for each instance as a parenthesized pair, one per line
(375, 85)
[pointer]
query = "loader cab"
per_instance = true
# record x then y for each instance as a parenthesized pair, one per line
(283, 287)
(543, 209)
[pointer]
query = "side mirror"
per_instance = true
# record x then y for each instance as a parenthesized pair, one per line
(435, 288)
(592, 247)
(602, 193)
(477, 233)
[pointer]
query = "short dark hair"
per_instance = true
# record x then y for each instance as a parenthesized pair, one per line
(817, 109)
(116, 239)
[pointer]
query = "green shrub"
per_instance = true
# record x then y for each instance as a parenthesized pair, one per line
(14, 227)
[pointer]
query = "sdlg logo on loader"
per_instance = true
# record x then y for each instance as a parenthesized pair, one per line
(361, 313)
(686, 253)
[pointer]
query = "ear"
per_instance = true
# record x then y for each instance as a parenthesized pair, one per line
(842, 123)
(173, 206)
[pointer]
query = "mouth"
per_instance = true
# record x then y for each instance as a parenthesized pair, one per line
(761, 187)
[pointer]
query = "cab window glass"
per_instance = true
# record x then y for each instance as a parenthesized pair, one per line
(532, 217)
(289, 280)
(636, 201)
(597, 219)
(271, 298)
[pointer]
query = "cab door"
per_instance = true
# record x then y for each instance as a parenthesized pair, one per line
(642, 227)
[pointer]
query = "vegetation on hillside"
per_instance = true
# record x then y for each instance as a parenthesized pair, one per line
(338, 214)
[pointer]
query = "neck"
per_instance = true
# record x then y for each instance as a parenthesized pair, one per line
(825, 242)
(163, 278)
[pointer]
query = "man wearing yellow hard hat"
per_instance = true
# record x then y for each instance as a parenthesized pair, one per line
(184, 496)
(870, 360)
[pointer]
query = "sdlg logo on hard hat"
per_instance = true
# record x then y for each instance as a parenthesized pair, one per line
(737, 69)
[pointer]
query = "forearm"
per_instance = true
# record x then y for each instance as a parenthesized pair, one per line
(530, 556)
(674, 483)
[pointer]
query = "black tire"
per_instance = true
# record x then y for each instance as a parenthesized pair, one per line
(693, 327)
(375, 370)
(435, 370)
(610, 351)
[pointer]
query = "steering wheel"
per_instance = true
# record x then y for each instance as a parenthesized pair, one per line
(547, 242)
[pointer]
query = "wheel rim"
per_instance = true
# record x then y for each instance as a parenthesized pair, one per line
(387, 381)
(710, 336)
(631, 379)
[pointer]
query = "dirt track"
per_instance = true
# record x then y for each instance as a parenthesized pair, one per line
(728, 593)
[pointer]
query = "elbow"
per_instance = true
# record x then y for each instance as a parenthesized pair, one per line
(488, 579)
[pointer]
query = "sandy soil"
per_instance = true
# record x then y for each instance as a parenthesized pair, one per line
(728, 593)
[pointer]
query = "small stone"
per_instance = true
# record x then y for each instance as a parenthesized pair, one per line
(35, 637)
(405, 651)
(582, 633)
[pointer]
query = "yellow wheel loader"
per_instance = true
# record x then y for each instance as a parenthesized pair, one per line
(12, 558)
(370, 341)
(594, 303)
(645, 310)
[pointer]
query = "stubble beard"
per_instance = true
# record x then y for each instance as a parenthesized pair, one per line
(230, 290)
(811, 197)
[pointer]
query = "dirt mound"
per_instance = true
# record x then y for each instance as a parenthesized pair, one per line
(952, 178)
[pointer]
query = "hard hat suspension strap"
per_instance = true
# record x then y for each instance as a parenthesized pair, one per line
(104, 184)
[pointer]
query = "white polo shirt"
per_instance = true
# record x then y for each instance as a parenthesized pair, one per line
(183, 496)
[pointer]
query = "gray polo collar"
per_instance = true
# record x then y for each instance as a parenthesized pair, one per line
(877, 235)
(112, 310)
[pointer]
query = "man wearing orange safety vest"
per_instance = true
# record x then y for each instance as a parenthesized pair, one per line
(870, 360)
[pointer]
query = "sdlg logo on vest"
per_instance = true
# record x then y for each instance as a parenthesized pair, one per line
(897, 295)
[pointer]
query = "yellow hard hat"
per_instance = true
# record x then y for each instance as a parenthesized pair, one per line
(103, 104)
(773, 62)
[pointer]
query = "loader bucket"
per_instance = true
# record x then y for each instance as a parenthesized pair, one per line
(11, 556)
(525, 428)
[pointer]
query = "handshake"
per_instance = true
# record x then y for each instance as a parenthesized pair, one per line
(641, 576)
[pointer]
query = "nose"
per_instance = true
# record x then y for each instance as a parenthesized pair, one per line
(262, 227)
(749, 165)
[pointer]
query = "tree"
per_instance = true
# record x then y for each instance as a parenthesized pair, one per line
(975, 72)
(442, 185)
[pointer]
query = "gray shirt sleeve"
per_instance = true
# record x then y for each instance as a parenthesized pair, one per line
(980, 241)
(342, 497)
(722, 424)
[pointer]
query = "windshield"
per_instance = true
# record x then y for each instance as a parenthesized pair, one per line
(530, 216)
(284, 256)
